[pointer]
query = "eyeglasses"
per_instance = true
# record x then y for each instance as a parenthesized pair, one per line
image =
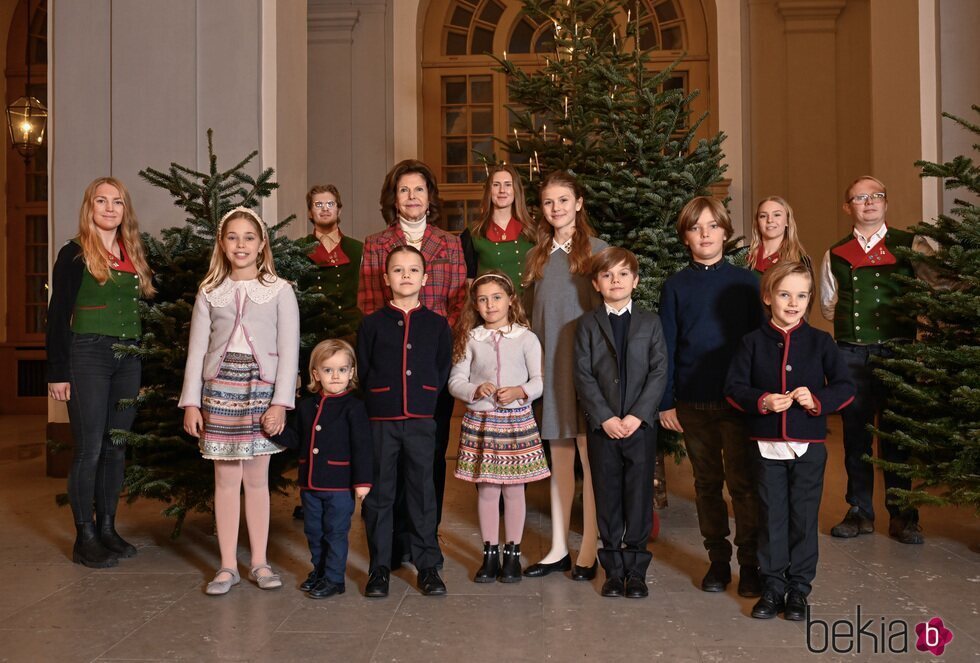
(330, 204)
(865, 198)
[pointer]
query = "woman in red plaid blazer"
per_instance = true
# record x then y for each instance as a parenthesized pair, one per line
(410, 206)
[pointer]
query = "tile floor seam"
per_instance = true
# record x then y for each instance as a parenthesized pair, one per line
(394, 613)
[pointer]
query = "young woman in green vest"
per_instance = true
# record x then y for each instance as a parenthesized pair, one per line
(505, 232)
(98, 279)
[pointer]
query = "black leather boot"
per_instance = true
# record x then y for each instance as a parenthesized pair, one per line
(89, 551)
(491, 564)
(110, 537)
(510, 568)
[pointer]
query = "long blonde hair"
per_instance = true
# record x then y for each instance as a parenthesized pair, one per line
(469, 317)
(93, 250)
(220, 267)
(790, 249)
(518, 208)
(581, 253)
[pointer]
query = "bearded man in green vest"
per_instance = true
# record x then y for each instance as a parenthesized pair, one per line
(857, 290)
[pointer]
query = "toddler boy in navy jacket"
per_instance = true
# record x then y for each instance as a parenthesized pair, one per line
(330, 431)
(404, 351)
(788, 376)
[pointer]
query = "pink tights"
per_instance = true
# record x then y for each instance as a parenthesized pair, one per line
(229, 477)
(488, 508)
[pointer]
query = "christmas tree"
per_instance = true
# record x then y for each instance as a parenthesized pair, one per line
(597, 110)
(166, 464)
(934, 382)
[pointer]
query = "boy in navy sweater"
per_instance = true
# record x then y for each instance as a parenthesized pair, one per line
(788, 376)
(706, 309)
(404, 351)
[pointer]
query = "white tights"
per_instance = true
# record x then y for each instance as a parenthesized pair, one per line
(562, 495)
(229, 476)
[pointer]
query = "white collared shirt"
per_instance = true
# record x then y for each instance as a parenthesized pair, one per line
(566, 247)
(828, 284)
(626, 309)
(782, 450)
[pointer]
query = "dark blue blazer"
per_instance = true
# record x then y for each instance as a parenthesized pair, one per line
(772, 361)
(597, 378)
(403, 362)
(333, 437)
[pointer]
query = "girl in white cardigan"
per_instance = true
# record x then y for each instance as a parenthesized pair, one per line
(239, 380)
(497, 373)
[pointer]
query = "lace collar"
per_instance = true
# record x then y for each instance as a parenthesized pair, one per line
(259, 292)
(481, 333)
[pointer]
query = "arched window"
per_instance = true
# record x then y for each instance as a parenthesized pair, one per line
(464, 101)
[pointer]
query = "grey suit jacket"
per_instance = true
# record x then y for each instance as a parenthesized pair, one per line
(597, 367)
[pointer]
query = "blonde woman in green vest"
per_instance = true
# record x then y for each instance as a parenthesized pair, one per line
(98, 279)
(505, 231)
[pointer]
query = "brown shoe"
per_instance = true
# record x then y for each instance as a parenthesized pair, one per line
(853, 525)
(905, 531)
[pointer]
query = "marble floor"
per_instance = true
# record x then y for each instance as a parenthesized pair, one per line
(152, 607)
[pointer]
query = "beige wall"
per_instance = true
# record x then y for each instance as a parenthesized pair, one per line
(349, 104)
(960, 78)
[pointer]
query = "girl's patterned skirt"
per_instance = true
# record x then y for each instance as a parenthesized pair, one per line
(501, 446)
(233, 404)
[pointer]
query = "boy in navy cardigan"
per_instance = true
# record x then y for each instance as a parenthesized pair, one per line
(331, 432)
(620, 373)
(788, 376)
(404, 351)
(706, 308)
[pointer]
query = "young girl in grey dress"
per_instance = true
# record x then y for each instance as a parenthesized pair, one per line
(558, 269)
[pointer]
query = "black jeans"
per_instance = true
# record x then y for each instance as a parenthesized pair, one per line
(856, 417)
(99, 380)
(721, 453)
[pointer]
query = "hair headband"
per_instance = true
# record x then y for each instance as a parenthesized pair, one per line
(502, 277)
(243, 210)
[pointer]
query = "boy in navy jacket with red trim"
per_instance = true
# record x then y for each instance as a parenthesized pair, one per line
(788, 376)
(404, 351)
(330, 431)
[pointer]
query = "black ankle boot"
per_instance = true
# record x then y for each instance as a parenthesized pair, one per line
(491, 564)
(110, 538)
(510, 569)
(89, 551)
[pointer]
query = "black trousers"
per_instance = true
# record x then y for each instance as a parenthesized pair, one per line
(413, 441)
(622, 479)
(856, 417)
(721, 454)
(789, 507)
(99, 380)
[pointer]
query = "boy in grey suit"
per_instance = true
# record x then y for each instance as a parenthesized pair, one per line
(620, 376)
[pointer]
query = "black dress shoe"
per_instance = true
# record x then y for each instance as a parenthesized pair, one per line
(795, 606)
(749, 582)
(717, 578)
(613, 587)
(311, 581)
(430, 583)
(377, 584)
(325, 589)
(905, 531)
(585, 572)
(852, 525)
(770, 605)
(636, 586)
(541, 569)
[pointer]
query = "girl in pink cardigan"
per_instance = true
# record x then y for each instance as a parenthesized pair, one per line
(239, 380)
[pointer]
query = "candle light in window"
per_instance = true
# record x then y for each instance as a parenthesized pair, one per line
(517, 140)
(566, 108)
(537, 164)
(614, 39)
(505, 56)
(544, 132)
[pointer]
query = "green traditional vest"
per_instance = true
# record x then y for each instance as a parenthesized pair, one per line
(508, 257)
(337, 314)
(111, 309)
(866, 289)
